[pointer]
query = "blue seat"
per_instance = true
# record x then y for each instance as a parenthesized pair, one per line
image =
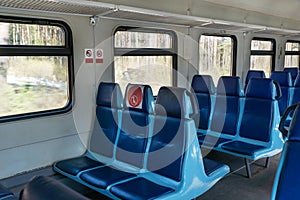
(285, 81)
(294, 72)
(203, 88)
(296, 91)
(259, 136)
(5, 194)
(254, 73)
(46, 188)
(226, 111)
(173, 172)
(109, 104)
(287, 179)
(137, 117)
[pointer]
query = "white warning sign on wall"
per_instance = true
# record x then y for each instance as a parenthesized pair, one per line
(99, 55)
(89, 55)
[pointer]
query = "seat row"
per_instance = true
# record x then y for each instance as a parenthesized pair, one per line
(244, 125)
(142, 149)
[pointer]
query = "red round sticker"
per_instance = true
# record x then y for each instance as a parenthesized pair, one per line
(135, 96)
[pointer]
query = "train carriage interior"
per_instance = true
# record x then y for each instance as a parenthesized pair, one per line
(137, 99)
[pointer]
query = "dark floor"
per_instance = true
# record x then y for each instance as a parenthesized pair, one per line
(235, 186)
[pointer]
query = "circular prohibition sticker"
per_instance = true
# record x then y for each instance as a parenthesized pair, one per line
(135, 96)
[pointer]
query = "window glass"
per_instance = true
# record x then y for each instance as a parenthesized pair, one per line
(292, 54)
(31, 34)
(35, 68)
(261, 45)
(216, 56)
(292, 46)
(150, 59)
(261, 63)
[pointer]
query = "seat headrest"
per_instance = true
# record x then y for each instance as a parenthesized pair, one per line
(254, 73)
(174, 102)
(110, 95)
(294, 129)
(293, 70)
(297, 81)
(139, 98)
(230, 86)
(283, 78)
(203, 84)
(263, 88)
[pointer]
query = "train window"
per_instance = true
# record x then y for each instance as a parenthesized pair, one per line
(292, 54)
(35, 67)
(262, 55)
(145, 56)
(217, 55)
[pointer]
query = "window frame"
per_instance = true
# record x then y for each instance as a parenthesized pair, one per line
(292, 53)
(118, 51)
(39, 50)
(271, 53)
(234, 49)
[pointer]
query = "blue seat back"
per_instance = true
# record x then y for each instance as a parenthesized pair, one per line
(294, 72)
(166, 153)
(252, 74)
(108, 103)
(227, 106)
(138, 108)
(286, 183)
(259, 109)
(285, 81)
(203, 87)
(296, 91)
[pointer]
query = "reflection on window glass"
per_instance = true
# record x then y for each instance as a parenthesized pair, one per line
(261, 45)
(152, 70)
(131, 39)
(261, 63)
(292, 46)
(32, 84)
(31, 34)
(216, 56)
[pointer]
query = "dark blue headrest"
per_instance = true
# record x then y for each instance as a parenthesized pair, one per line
(294, 129)
(283, 78)
(254, 73)
(293, 70)
(230, 86)
(174, 102)
(110, 95)
(261, 88)
(297, 81)
(203, 84)
(139, 98)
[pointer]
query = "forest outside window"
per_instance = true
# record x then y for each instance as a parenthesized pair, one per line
(292, 54)
(145, 56)
(217, 56)
(35, 68)
(263, 55)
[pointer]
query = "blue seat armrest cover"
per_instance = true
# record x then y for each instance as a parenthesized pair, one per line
(46, 188)
(75, 165)
(105, 176)
(242, 147)
(138, 189)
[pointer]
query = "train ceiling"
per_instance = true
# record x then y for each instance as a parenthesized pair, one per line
(118, 11)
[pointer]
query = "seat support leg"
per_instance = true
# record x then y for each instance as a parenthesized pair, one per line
(267, 162)
(248, 169)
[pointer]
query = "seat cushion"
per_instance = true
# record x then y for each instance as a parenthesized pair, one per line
(105, 176)
(212, 141)
(75, 165)
(4, 192)
(210, 166)
(242, 147)
(138, 189)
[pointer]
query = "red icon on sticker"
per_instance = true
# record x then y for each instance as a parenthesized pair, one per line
(135, 96)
